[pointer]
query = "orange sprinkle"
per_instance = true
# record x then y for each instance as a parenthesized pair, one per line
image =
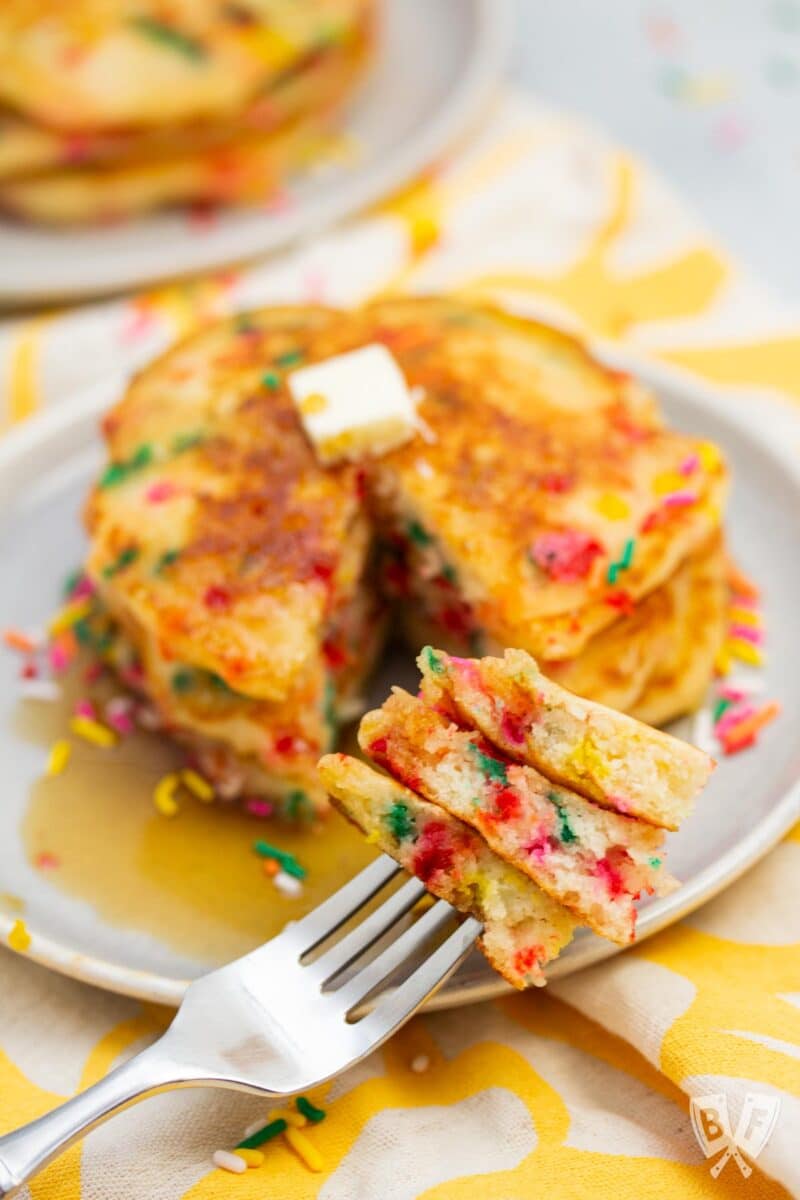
(15, 639)
(740, 584)
(745, 730)
(270, 866)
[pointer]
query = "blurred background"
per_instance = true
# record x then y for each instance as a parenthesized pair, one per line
(707, 90)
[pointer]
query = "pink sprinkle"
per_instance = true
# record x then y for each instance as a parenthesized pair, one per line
(537, 849)
(735, 695)
(741, 600)
(46, 861)
(467, 668)
(567, 556)
(163, 489)
(689, 465)
(732, 717)
(620, 804)
(119, 714)
(85, 708)
(259, 808)
(680, 499)
(83, 589)
(60, 654)
(748, 634)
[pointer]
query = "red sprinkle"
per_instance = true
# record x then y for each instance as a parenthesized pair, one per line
(217, 598)
(433, 851)
(566, 557)
(622, 600)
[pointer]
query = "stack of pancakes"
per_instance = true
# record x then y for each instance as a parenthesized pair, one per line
(111, 108)
(542, 504)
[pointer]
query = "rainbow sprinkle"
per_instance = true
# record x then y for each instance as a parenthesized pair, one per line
(287, 861)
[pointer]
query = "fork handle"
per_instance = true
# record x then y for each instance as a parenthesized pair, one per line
(29, 1149)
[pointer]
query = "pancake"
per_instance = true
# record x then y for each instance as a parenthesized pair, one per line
(681, 681)
(94, 65)
(311, 86)
(238, 570)
(538, 466)
(230, 558)
(523, 929)
(250, 168)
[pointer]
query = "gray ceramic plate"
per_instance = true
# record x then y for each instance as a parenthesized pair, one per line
(436, 65)
(138, 907)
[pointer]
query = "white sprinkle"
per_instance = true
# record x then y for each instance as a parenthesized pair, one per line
(287, 884)
(702, 731)
(39, 689)
(424, 468)
(420, 1064)
(425, 432)
(229, 1162)
(230, 785)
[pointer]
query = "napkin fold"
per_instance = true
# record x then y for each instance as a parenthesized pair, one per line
(585, 1089)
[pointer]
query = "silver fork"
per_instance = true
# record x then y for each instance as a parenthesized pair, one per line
(272, 1023)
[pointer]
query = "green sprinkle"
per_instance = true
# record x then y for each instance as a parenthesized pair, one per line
(309, 1110)
(720, 708)
(166, 560)
(83, 632)
(263, 1135)
(493, 768)
(288, 861)
(271, 380)
(173, 39)
(117, 472)
(654, 862)
(418, 534)
(449, 573)
(296, 801)
(566, 833)
(289, 359)
(187, 441)
(123, 560)
(613, 570)
(182, 680)
(221, 685)
(432, 660)
(627, 554)
(72, 581)
(400, 821)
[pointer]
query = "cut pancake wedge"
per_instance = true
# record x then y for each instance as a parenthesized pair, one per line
(523, 928)
(595, 862)
(601, 754)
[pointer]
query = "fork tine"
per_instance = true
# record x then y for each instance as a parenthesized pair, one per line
(394, 955)
(338, 908)
(368, 932)
(392, 1010)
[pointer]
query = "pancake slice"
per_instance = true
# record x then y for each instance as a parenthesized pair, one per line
(599, 753)
(594, 862)
(523, 928)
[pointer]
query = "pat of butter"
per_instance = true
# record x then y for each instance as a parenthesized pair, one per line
(354, 404)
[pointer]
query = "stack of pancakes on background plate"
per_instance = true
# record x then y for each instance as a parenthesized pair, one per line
(111, 108)
(541, 504)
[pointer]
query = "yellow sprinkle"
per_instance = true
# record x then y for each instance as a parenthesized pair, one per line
(293, 1119)
(164, 795)
(612, 506)
(59, 756)
(587, 760)
(197, 785)
(19, 939)
(305, 1149)
(709, 456)
(69, 615)
(93, 731)
(722, 663)
(668, 482)
(746, 652)
(745, 616)
(315, 403)
(253, 1158)
(373, 837)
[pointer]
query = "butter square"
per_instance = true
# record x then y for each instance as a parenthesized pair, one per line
(354, 404)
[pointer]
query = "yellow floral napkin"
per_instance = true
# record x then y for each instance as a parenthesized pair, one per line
(582, 1091)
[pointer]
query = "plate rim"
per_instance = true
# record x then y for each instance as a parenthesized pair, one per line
(482, 72)
(74, 413)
